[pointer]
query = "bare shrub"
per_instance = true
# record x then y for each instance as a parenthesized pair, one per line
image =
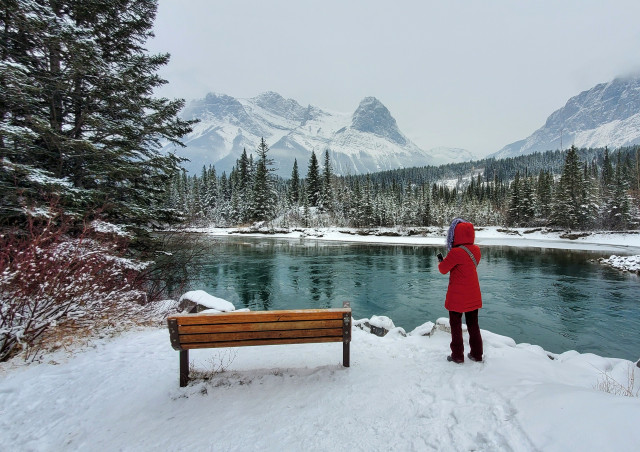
(48, 276)
(177, 265)
(214, 365)
(610, 385)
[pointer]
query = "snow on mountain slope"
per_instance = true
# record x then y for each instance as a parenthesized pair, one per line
(606, 115)
(617, 133)
(368, 140)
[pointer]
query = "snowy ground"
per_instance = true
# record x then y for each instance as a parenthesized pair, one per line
(399, 393)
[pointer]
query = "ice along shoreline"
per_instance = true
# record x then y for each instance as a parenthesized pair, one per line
(625, 243)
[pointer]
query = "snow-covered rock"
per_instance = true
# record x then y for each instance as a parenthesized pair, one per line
(201, 301)
(624, 263)
(443, 325)
(379, 325)
(426, 329)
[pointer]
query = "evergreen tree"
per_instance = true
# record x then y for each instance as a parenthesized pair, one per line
(607, 170)
(568, 209)
(84, 111)
(211, 199)
(544, 194)
(244, 172)
(326, 193)
(366, 213)
(513, 218)
(294, 185)
(424, 212)
(526, 208)
(617, 211)
(313, 182)
(264, 195)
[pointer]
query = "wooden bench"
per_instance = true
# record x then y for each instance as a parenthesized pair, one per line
(238, 329)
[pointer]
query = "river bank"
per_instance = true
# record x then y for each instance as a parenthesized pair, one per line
(621, 242)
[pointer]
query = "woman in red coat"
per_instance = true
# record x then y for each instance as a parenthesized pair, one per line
(463, 294)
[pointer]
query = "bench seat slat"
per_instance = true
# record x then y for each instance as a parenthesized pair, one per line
(247, 335)
(252, 316)
(281, 341)
(262, 326)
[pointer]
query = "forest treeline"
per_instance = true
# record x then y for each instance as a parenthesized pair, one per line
(575, 188)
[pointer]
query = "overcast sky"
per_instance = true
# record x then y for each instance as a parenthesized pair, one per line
(471, 74)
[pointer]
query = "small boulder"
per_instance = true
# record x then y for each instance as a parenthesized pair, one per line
(199, 300)
(443, 325)
(381, 325)
(426, 329)
(378, 325)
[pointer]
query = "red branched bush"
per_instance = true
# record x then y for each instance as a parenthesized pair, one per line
(48, 276)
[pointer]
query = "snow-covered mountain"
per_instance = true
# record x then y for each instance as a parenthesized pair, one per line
(368, 140)
(606, 115)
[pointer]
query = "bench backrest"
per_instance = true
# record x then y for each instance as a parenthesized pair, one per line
(237, 329)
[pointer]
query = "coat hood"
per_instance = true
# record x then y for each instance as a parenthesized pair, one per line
(464, 234)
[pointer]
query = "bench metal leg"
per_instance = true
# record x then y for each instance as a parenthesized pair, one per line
(184, 368)
(345, 354)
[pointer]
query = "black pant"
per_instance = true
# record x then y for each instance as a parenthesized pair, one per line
(475, 339)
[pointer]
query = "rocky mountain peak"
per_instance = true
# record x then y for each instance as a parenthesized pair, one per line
(605, 102)
(215, 105)
(368, 140)
(606, 115)
(372, 116)
(278, 105)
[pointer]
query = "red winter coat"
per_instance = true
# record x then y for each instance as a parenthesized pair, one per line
(463, 294)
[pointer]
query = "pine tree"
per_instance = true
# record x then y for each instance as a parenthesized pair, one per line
(294, 185)
(513, 217)
(526, 207)
(244, 172)
(607, 170)
(85, 112)
(211, 199)
(569, 203)
(544, 194)
(326, 192)
(617, 211)
(313, 182)
(264, 195)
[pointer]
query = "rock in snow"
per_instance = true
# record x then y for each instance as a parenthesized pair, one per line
(624, 263)
(201, 301)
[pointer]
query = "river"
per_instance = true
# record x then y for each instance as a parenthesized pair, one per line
(558, 299)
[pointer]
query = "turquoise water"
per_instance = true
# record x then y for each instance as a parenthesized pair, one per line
(558, 299)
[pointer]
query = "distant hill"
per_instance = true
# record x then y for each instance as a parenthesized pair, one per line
(606, 115)
(368, 140)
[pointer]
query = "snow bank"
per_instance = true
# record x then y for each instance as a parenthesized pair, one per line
(620, 242)
(399, 394)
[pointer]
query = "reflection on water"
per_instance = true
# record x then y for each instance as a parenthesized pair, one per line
(557, 299)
